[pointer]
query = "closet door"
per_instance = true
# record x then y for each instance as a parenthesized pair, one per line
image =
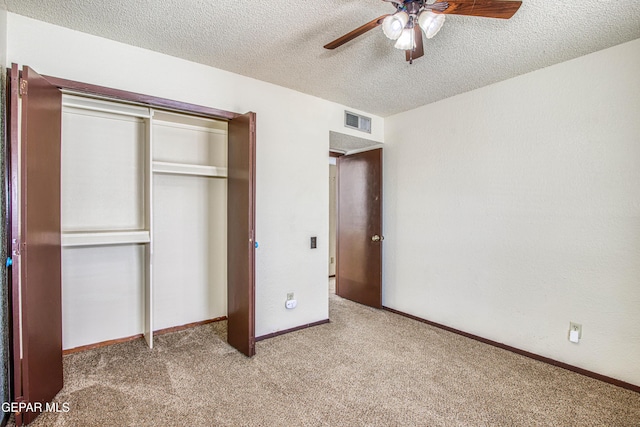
(241, 233)
(35, 216)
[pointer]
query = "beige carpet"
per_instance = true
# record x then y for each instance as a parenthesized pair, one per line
(366, 368)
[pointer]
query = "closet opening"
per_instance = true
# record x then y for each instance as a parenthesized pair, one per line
(145, 196)
(144, 221)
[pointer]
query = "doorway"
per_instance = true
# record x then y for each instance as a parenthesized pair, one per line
(355, 222)
(333, 218)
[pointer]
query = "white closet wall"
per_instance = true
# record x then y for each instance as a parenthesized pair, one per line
(102, 294)
(101, 171)
(189, 219)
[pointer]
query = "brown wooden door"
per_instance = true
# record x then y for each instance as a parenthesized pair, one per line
(240, 233)
(359, 229)
(35, 229)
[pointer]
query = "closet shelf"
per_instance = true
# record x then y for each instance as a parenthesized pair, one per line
(189, 169)
(102, 238)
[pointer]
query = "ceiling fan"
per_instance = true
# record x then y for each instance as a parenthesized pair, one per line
(413, 15)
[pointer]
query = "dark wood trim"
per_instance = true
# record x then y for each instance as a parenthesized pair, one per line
(13, 234)
(139, 98)
(335, 154)
(530, 355)
(139, 336)
(286, 331)
(188, 325)
(101, 344)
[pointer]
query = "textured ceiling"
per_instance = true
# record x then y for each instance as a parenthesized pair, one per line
(281, 42)
(347, 143)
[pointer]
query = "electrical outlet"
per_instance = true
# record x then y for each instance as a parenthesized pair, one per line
(576, 327)
(314, 242)
(290, 304)
(289, 296)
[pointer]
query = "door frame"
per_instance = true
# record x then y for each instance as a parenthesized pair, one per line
(13, 230)
(176, 106)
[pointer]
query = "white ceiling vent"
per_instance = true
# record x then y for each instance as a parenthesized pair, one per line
(355, 121)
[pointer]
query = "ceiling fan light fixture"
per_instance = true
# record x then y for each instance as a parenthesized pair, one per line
(430, 22)
(410, 18)
(406, 40)
(393, 25)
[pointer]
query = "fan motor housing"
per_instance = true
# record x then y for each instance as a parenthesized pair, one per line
(412, 7)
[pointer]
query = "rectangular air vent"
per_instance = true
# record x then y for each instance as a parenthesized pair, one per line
(355, 121)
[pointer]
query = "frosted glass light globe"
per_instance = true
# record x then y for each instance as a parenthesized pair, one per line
(393, 25)
(430, 22)
(406, 40)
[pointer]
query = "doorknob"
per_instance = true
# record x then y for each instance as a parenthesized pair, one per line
(376, 238)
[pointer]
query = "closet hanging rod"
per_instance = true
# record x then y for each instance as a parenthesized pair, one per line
(98, 105)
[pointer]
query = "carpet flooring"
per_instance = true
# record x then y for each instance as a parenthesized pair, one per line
(367, 367)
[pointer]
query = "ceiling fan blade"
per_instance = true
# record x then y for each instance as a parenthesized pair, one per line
(504, 9)
(419, 49)
(355, 33)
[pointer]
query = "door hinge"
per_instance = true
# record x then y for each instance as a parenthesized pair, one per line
(15, 247)
(23, 87)
(253, 127)
(18, 400)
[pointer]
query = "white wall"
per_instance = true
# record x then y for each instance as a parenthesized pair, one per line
(292, 146)
(3, 36)
(514, 209)
(4, 295)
